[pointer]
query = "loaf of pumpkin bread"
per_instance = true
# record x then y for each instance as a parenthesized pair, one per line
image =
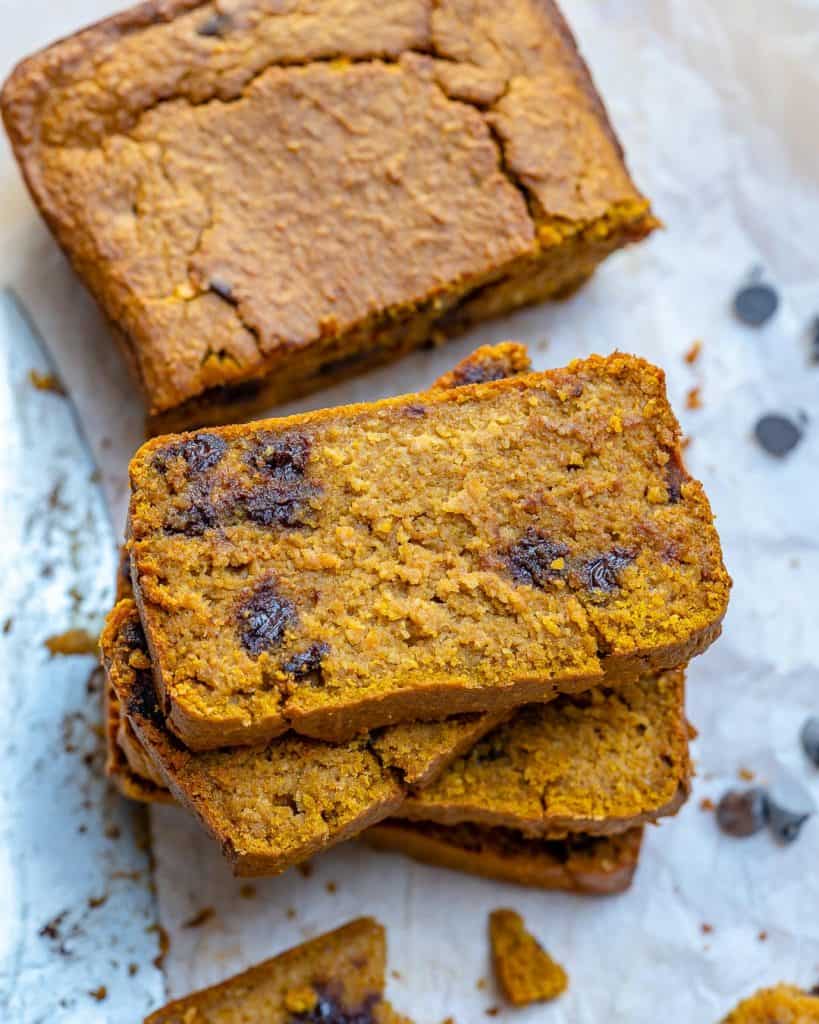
(268, 198)
(454, 551)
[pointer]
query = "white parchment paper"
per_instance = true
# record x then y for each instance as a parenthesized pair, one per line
(717, 104)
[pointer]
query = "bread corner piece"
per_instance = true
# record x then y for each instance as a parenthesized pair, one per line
(780, 1004)
(524, 970)
(192, 197)
(335, 977)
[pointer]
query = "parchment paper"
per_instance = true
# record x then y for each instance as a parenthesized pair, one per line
(717, 105)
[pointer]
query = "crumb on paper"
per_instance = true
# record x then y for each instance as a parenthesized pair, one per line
(99, 994)
(164, 945)
(97, 901)
(291, 913)
(73, 641)
(248, 891)
(306, 869)
(396, 975)
(46, 382)
(746, 774)
(331, 887)
(685, 441)
(200, 918)
(481, 984)
(133, 969)
(763, 936)
(706, 928)
(113, 832)
(493, 1011)
(707, 804)
(693, 400)
(693, 353)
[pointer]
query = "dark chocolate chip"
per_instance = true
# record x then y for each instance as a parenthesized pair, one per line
(133, 635)
(216, 25)
(603, 572)
(276, 506)
(756, 303)
(675, 477)
(263, 617)
(742, 813)
(530, 560)
(308, 662)
(282, 456)
(479, 372)
(142, 701)
(810, 739)
(329, 1011)
(777, 434)
(415, 412)
(198, 515)
(789, 807)
(223, 289)
(201, 452)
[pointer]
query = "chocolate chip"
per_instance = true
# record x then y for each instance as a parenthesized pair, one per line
(308, 662)
(742, 813)
(675, 477)
(415, 412)
(142, 701)
(756, 303)
(198, 515)
(789, 807)
(273, 505)
(263, 617)
(810, 739)
(777, 434)
(479, 372)
(530, 560)
(282, 456)
(216, 25)
(603, 572)
(133, 636)
(201, 452)
(329, 1011)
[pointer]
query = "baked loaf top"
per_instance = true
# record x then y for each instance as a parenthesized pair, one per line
(274, 806)
(598, 763)
(596, 866)
(337, 978)
(193, 161)
(780, 1004)
(454, 551)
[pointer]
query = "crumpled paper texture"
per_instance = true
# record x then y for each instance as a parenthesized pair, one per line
(717, 106)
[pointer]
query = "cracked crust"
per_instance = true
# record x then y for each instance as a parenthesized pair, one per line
(579, 864)
(386, 547)
(450, 161)
(339, 976)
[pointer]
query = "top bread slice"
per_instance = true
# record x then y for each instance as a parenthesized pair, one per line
(263, 197)
(452, 551)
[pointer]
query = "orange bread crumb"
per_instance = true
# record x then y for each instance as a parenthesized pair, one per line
(524, 970)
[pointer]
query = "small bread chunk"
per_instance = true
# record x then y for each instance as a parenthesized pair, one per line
(781, 1004)
(337, 978)
(449, 552)
(580, 864)
(523, 969)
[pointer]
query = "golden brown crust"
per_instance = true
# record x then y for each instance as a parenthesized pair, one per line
(780, 1004)
(598, 867)
(120, 132)
(340, 973)
(367, 526)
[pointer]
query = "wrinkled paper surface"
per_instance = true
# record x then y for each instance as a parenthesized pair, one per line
(717, 106)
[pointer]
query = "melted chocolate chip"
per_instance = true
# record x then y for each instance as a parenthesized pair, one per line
(530, 560)
(142, 702)
(201, 453)
(603, 572)
(479, 372)
(330, 1011)
(281, 456)
(263, 618)
(778, 435)
(278, 506)
(216, 25)
(307, 663)
(675, 477)
(133, 635)
(197, 516)
(742, 813)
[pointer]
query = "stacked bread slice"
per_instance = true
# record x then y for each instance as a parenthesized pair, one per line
(455, 624)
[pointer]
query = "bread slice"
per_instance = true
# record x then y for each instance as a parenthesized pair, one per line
(598, 763)
(336, 977)
(597, 866)
(450, 552)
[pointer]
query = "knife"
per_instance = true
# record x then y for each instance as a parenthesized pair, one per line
(76, 908)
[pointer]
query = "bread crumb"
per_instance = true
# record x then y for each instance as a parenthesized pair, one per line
(247, 892)
(46, 382)
(73, 641)
(763, 935)
(693, 399)
(202, 917)
(291, 913)
(706, 928)
(306, 869)
(524, 970)
(99, 993)
(493, 1011)
(693, 353)
(707, 804)
(133, 969)
(747, 774)
(481, 984)
(331, 887)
